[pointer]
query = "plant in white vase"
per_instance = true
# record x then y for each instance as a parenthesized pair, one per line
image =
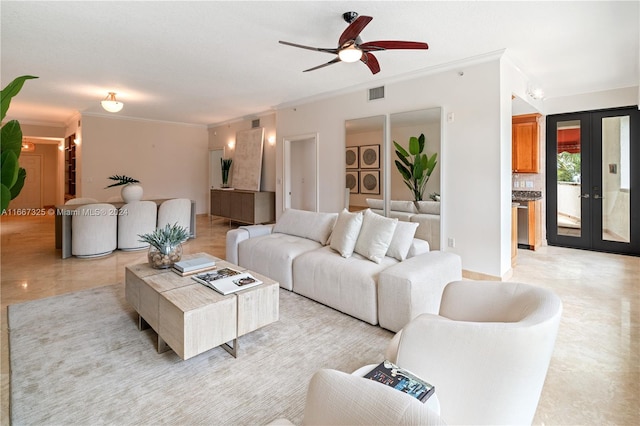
(131, 191)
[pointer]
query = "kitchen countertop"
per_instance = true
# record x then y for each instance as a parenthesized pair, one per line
(526, 195)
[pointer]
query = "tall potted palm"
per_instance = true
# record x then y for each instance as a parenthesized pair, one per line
(415, 166)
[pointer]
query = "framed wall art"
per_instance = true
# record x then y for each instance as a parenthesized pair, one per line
(247, 159)
(352, 156)
(353, 182)
(370, 181)
(370, 157)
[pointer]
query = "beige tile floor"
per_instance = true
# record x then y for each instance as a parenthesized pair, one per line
(594, 376)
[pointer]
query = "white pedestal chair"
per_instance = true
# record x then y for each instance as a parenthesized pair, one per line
(177, 210)
(487, 352)
(94, 230)
(134, 219)
(337, 398)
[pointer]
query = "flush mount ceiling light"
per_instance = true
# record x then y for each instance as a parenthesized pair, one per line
(350, 54)
(111, 104)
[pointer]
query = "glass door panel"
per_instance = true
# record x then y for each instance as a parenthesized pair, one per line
(569, 211)
(616, 213)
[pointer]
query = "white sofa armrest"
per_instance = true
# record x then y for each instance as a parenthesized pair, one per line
(415, 286)
(235, 236)
(418, 247)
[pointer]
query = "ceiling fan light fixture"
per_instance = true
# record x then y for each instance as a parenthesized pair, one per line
(111, 104)
(350, 54)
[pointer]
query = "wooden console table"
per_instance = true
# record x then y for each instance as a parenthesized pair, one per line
(244, 206)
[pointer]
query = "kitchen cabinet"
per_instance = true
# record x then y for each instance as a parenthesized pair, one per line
(244, 206)
(525, 140)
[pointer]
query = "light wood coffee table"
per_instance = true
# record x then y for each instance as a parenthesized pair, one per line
(191, 318)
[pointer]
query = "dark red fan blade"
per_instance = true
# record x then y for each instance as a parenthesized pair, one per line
(317, 49)
(354, 29)
(371, 61)
(372, 46)
(336, 60)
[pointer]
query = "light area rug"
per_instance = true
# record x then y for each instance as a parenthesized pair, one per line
(80, 359)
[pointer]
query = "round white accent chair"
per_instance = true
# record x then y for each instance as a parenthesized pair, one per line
(81, 200)
(94, 230)
(134, 219)
(177, 210)
(487, 352)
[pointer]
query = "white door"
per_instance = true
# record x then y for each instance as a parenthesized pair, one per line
(31, 195)
(301, 173)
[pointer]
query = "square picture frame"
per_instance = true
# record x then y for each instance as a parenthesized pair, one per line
(370, 157)
(352, 157)
(370, 182)
(353, 182)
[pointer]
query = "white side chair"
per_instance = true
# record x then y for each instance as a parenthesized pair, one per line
(487, 352)
(81, 200)
(337, 398)
(177, 210)
(134, 219)
(94, 230)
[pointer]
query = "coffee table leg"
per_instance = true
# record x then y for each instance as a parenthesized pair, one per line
(142, 324)
(162, 345)
(233, 350)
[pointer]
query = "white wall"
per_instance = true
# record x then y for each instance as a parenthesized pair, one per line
(471, 160)
(169, 159)
(590, 101)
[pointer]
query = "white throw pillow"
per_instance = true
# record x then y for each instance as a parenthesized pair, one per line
(345, 233)
(375, 236)
(301, 223)
(402, 240)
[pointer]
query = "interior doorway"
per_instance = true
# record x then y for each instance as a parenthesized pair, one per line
(30, 196)
(301, 172)
(593, 176)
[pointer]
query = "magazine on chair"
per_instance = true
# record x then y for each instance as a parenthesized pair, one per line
(226, 280)
(401, 379)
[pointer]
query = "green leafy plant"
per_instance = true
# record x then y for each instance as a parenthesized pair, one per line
(13, 175)
(568, 167)
(225, 164)
(121, 180)
(415, 166)
(165, 239)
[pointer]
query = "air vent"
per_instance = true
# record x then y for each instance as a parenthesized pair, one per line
(255, 123)
(376, 93)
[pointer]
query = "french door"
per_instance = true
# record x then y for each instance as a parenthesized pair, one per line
(593, 180)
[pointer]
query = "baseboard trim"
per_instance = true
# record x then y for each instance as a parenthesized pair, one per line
(472, 275)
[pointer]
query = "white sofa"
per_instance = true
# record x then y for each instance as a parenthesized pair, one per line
(349, 269)
(426, 214)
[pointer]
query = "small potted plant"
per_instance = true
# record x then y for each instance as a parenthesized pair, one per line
(131, 191)
(165, 245)
(225, 164)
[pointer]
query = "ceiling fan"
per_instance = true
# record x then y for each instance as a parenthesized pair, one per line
(351, 49)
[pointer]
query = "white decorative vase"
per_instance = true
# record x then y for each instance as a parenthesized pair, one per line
(131, 192)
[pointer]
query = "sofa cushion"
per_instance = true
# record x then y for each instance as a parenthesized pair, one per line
(429, 207)
(403, 206)
(272, 255)
(301, 223)
(348, 285)
(402, 240)
(375, 236)
(345, 233)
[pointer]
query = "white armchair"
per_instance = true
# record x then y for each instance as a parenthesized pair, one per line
(337, 398)
(94, 230)
(80, 200)
(487, 352)
(134, 219)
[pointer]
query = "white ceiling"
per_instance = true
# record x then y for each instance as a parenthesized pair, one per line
(209, 62)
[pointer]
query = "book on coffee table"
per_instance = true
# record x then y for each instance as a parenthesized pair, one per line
(192, 265)
(227, 280)
(398, 378)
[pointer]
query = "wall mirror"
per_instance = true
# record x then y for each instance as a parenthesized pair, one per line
(364, 161)
(403, 126)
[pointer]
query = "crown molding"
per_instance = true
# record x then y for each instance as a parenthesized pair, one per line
(146, 120)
